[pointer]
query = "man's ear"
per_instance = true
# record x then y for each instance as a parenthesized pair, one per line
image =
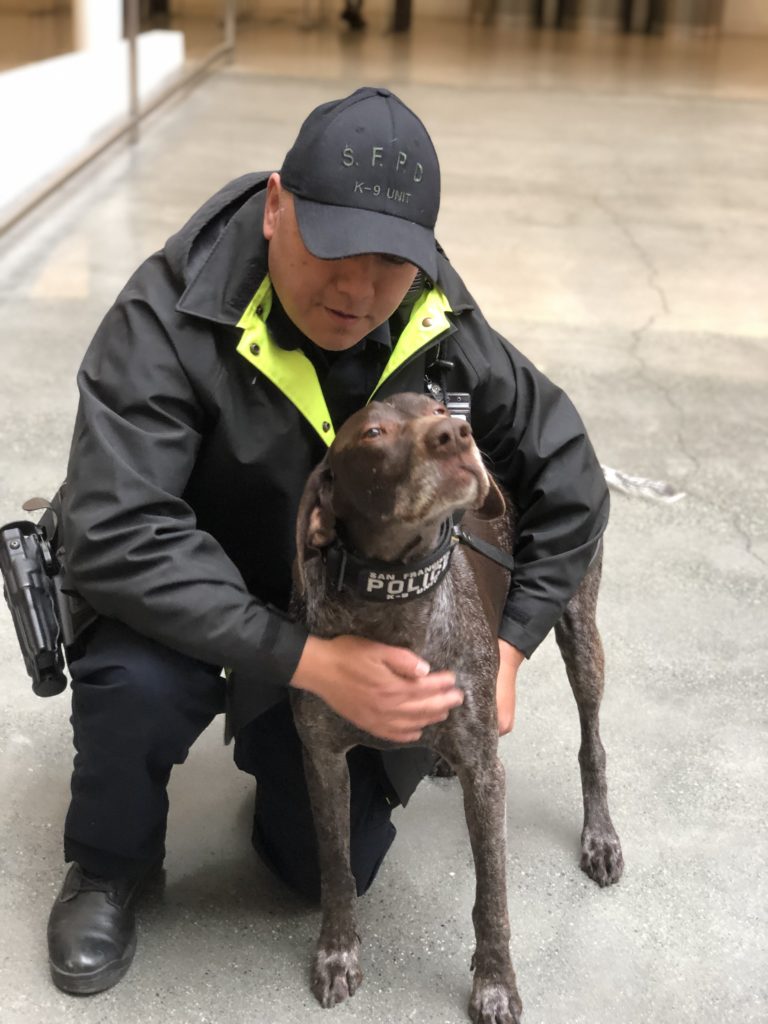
(271, 206)
(493, 504)
(316, 522)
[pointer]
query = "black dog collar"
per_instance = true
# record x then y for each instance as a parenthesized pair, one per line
(388, 581)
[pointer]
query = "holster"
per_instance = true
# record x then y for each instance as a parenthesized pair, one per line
(48, 614)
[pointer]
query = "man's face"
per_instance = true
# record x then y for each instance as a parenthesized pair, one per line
(335, 303)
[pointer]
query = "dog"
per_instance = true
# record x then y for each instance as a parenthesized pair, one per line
(385, 495)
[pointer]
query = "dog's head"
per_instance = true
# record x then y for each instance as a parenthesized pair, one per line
(394, 473)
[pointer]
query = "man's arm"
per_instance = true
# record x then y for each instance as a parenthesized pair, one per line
(510, 660)
(132, 544)
(539, 449)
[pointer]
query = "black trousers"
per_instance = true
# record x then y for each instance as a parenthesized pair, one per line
(137, 708)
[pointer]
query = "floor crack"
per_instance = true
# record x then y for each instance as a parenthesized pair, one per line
(744, 532)
(638, 336)
(645, 259)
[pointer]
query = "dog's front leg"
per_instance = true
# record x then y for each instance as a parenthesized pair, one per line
(495, 999)
(336, 971)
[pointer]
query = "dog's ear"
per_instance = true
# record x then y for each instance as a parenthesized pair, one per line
(315, 522)
(494, 504)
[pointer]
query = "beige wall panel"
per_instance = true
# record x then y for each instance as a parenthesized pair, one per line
(746, 17)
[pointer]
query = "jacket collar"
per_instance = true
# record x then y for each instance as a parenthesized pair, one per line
(226, 277)
(452, 286)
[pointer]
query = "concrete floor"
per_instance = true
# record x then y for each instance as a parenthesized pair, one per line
(614, 228)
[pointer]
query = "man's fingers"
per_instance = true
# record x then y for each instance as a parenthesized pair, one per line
(408, 665)
(404, 737)
(403, 662)
(430, 686)
(387, 691)
(405, 725)
(434, 709)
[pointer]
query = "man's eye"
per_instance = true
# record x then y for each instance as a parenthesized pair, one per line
(397, 261)
(373, 432)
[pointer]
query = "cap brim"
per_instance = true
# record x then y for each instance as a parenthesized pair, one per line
(334, 232)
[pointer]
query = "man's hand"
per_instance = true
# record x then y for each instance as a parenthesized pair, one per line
(510, 659)
(387, 691)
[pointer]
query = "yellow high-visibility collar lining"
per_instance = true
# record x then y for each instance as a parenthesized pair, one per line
(292, 372)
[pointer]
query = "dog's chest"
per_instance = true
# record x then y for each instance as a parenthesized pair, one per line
(447, 628)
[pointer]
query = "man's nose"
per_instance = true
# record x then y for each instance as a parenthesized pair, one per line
(355, 276)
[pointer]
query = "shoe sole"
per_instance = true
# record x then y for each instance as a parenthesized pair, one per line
(86, 984)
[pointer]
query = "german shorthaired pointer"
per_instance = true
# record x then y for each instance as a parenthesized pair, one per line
(378, 511)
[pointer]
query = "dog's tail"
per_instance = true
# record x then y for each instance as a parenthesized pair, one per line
(641, 487)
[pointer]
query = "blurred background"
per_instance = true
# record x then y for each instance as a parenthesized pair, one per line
(72, 70)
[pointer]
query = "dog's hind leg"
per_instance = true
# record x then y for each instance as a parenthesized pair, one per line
(494, 999)
(336, 970)
(582, 650)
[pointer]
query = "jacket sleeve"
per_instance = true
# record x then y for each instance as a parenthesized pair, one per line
(540, 451)
(133, 549)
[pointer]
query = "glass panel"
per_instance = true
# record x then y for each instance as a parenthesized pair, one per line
(198, 21)
(65, 78)
(25, 36)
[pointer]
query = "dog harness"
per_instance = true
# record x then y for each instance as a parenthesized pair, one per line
(377, 581)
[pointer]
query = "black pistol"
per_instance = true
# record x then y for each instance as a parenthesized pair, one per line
(29, 568)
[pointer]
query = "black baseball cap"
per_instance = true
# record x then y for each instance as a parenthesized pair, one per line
(365, 179)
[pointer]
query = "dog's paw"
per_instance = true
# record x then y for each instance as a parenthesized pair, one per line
(336, 975)
(601, 856)
(495, 1002)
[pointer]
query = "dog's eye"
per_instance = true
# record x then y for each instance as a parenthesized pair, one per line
(440, 411)
(373, 432)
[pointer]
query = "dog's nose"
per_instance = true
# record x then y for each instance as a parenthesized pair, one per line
(446, 437)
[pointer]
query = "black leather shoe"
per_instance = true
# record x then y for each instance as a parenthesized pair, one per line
(92, 931)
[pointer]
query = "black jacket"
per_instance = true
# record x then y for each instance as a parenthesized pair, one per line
(187, 461)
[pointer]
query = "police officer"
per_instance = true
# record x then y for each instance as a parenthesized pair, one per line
(211, 389)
